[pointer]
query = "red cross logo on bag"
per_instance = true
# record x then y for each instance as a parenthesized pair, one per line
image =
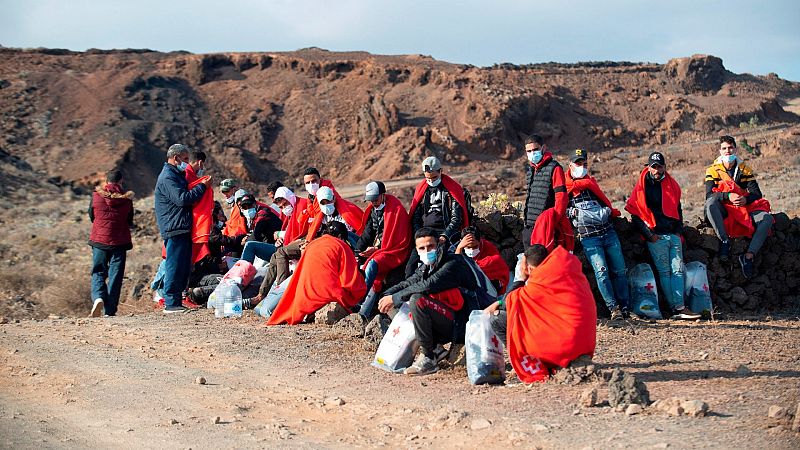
(396, 331)
(495, 342)
(531, 364)
(649, 287)
(705, 288)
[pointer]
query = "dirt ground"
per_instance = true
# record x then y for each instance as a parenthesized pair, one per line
(129, 381)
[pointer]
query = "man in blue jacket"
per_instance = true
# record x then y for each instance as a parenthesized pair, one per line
(173, 205)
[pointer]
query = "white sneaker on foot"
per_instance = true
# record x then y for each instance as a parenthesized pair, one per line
(97, 308)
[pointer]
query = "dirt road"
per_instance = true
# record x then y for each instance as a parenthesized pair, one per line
(130, 382)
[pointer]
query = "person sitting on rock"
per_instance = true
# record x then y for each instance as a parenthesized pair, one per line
(486, 256)
(734, 204)
(384, 242)
(434, 295)
(438, 203)
(326, 273)
(590, 212)
(544, 190)
(552, 319)
(262, 224)
(655, 208)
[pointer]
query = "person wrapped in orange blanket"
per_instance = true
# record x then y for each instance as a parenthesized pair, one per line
(486, 256)
(734, 204)
(327, 273)
(552, 319)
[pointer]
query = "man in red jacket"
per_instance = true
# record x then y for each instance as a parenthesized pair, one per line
(111, 213)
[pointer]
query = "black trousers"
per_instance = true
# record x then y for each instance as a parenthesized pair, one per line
(433, 322)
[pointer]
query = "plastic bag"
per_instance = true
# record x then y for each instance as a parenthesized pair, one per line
(644, 294)
(242, 273)
(399, 345)
(697, 294)
(485, 362)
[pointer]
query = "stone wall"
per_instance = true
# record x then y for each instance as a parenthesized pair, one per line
(773, 289)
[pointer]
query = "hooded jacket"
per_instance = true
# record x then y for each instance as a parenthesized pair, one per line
(111, 213)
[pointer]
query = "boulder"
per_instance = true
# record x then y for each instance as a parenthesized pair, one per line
(330, 314)
(625, 389)
(697, 73)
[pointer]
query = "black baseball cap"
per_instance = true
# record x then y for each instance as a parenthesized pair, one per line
(656, 159)
(578, 154)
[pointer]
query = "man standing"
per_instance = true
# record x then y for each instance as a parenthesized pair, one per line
(439, 204)
(173, 207)
(734, 204)
(655, 208)
(544, 181)
(590, 212)
(111, 213)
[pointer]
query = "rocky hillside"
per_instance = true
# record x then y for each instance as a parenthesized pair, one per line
(71, 116)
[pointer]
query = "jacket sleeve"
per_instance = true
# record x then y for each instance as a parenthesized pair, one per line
(710, 185)
(453, 274)
(560, 190)
(368, 237)
(265, 229)
(753, 191)
(416, 217)
(456, 219)
(91, 208)
(641, 226)
(413, 279)
(130, 216)
(181, 196)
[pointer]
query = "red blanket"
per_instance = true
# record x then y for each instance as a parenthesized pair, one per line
(202, 221)
(297, 223)
(327, 273)
(236, 224)
(396, 240)
(552, 319)
(575, 187)
(452, 187)
(552, 229)
(738, 223)
(670, 199)
(351, 214)
(493, 265)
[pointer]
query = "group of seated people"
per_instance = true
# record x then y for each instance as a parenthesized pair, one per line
(324, 249)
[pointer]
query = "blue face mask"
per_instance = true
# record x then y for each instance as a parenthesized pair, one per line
(728, 159)
(182, 166)
(249, 213)
(427, 258)
(201, 172)
(535, 156)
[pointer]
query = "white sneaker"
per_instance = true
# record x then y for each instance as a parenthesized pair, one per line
(97, 308)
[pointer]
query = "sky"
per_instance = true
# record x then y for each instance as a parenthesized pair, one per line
(757, 37)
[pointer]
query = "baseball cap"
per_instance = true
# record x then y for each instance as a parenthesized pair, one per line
(227, 184)
(283, 192)
(578, 154)
(431, 163)
(324, 193)
(247, 200)
(239, 194)
(656, 158)
(374, 190)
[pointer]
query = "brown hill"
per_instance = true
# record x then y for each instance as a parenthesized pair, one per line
(357, 116)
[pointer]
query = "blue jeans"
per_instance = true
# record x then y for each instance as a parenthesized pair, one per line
(667, 253)
(177, 268)
(260, 249)
(267, 306)
(368, 305)
(605, 254)
(108, 264)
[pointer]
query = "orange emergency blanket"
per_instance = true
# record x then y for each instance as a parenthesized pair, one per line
(552, 319)
(396, 240)
(738, 223)
(327, 273)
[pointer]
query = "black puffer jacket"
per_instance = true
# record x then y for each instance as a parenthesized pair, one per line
(450, 271)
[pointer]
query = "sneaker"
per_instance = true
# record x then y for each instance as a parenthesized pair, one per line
(686, 314)
(97, 308)
(747, 266)
(175, 309)
(616, 314)
(724, 250)
(188, 303)
(422, 366)
(439, 353)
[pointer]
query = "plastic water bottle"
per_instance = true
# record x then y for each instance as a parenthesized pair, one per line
(232, 306)
(219, 300)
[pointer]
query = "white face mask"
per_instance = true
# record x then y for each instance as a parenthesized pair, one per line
(472, 252)
(288, 210)
(249, 213)
(380, 208)
(728, 159)
(230, 200)
(312, 188)
(433, 183)
(578, 171)
(427, 258)
(328, 209)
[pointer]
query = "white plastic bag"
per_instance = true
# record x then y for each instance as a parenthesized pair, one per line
(697, 294)
(485, 361)
(644, 294)
(399, 345)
